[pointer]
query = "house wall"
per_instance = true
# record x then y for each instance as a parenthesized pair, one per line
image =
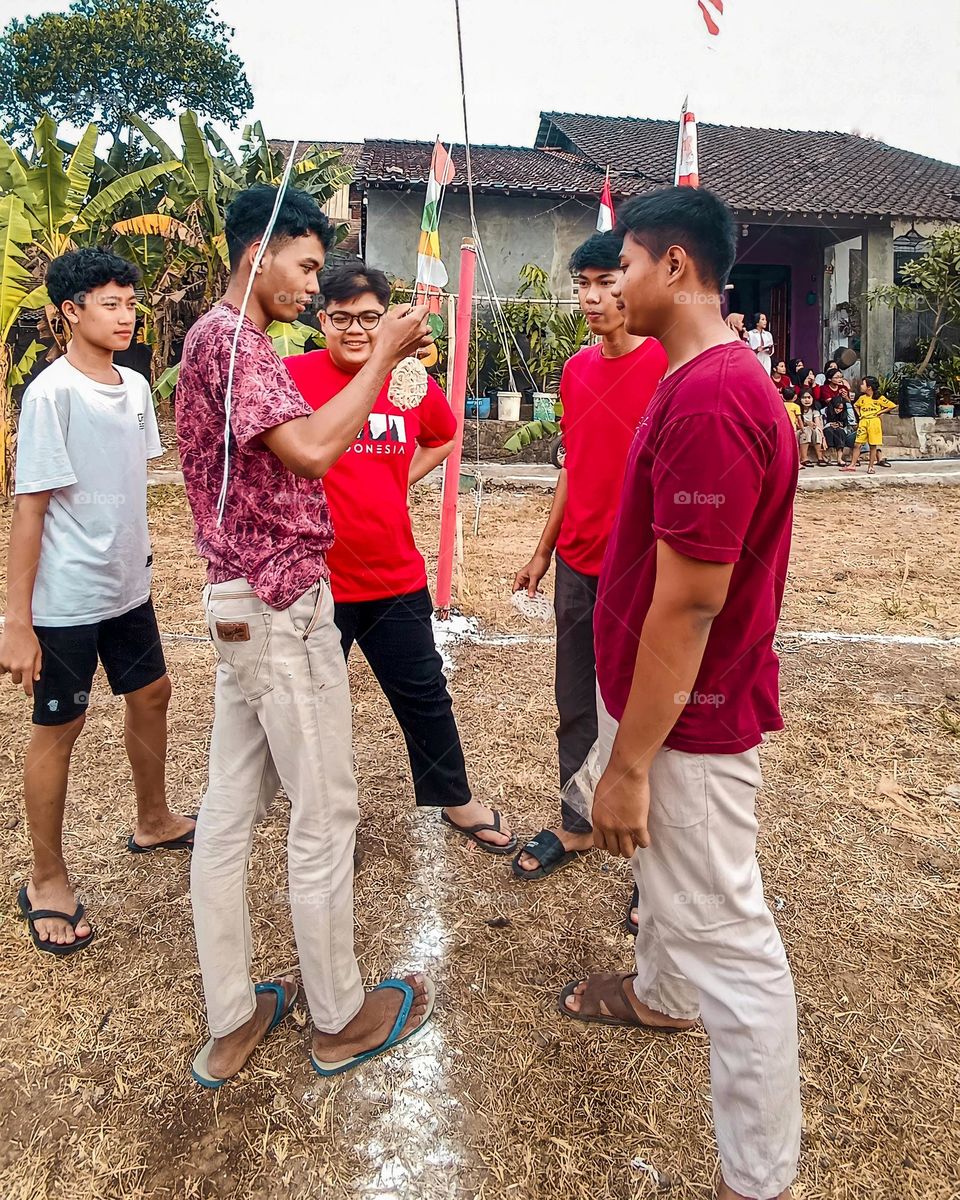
(800, 250)
(514, 230)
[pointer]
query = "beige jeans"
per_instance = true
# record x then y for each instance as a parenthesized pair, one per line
(282, 716)
(708, 945)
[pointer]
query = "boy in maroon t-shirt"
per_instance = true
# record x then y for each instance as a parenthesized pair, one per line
(687, 608)
(605, 389)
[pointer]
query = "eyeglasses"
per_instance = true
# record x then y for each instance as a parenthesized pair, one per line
(343, 320)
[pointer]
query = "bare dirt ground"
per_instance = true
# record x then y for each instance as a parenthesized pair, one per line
(501, 1098)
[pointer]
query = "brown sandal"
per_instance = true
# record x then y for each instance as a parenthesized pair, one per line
(606, 989)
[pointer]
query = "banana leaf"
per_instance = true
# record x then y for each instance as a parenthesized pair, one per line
(533, 431)
(159, 225)
(16, 282)
(19, 372)
(290, 339)
(105, 201)
(166, 385)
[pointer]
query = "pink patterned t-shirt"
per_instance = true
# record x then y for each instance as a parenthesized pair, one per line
(276, 527)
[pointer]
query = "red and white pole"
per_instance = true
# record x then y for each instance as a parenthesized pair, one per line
(457, 397)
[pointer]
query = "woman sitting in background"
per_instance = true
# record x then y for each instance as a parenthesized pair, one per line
(780, 377)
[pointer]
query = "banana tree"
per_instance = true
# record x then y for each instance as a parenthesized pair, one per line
(17, 295)
(289, 338)
(59, 195)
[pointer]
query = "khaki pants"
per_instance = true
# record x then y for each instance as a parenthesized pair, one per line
(282, 716)
(708, 945)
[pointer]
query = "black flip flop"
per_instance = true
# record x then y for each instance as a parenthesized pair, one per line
(184, 842)
(631, 927)
(471, 831)
(32, 915)
(549, 852)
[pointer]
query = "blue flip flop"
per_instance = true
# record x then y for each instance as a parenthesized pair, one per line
(199, 1070)
(393, 1038)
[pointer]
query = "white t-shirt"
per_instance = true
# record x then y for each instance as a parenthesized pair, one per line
(762, 341)
(88, 443)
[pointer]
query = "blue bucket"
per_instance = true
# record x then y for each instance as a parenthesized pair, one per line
(478, 406)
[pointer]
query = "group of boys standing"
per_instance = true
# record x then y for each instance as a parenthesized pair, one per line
(671, 527)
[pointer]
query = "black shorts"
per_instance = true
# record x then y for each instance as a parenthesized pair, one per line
(128, 646)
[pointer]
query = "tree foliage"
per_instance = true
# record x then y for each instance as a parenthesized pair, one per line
(104, 59)
(931, 284)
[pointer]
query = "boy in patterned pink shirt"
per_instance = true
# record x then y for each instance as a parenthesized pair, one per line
(282, 705)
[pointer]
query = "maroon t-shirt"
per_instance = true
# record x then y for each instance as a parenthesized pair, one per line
(712, 471)
(276, 527)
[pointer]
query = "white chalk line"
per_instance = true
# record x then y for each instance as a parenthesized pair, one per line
(459, 629)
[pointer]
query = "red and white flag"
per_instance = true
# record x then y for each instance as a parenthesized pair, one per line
(711, 11)
(605, 217)
(688, 167)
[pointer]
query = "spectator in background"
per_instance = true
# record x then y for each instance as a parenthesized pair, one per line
(793, 410)
(834, 385)
(735, 321)
(797, 372)
(808, 380)
(811, 433)
(761, 341)
(871, 404)
(838, 429)
(780, 377)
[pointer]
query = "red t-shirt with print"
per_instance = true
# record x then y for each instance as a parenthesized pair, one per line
(374, 555)
(276, 527)
(603, 399)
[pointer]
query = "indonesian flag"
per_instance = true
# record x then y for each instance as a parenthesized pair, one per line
(605, 217)
(688, 169)
(711, 11)
(431, 273)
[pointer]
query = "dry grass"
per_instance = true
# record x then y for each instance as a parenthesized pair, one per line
(501, 1098)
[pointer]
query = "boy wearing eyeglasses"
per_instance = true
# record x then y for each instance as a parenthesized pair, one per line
(377, 573)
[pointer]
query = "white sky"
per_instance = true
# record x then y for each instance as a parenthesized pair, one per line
(388, 68)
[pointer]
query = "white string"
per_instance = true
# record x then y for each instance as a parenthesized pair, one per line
(258, 258)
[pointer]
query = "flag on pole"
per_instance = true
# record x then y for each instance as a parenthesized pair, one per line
(431, 273)
(687, 171)
(605, 217)
(711, 11)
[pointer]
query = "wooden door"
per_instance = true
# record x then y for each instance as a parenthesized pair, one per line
(779, 318)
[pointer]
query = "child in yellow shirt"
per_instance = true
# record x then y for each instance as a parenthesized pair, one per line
(793, 409)
(869, 405)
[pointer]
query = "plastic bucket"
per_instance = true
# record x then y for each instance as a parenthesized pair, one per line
(478, 406)
(544, 406)
(508, 406)
(946, 410)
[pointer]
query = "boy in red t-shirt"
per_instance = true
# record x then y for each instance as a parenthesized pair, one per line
(377, 573)
(687, 609)
(605, 389)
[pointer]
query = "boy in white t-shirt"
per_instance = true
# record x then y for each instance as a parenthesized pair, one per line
(78, 579)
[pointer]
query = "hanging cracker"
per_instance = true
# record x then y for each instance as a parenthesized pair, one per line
(408, 384)
(535, 608)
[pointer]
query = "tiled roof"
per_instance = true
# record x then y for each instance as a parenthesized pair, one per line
(769, 170)
(495, 168)
(349, 151)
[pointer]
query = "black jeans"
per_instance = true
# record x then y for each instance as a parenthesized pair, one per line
(575, 597)
(396, 638)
